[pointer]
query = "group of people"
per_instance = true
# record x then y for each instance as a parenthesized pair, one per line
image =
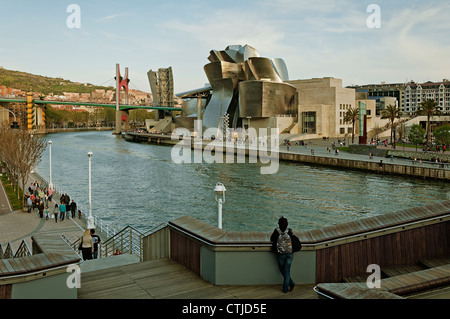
(89, 244)
(66, 208)
(40, 198)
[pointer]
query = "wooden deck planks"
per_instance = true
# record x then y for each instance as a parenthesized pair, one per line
(166, 279)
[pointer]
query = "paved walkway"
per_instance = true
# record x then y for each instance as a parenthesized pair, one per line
(15, 226)
(320, 149)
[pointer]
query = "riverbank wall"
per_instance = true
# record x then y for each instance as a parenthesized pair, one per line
(329, 254)
(71, 129)
(379, 166)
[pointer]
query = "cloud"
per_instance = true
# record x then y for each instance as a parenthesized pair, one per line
(110, 17)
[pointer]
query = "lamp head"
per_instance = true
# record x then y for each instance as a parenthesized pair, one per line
(219, 189)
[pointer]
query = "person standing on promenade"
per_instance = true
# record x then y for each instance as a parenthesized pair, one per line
(41, 208)
(55, 212)
(87, 245)
(282, 246)
(29, 203)
(62, 211)
(35, 202)
(73, 208)
(96, 239)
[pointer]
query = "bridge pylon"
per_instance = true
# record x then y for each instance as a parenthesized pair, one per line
(30, 111)
(120, 83)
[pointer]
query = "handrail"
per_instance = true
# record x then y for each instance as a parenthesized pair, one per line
(128, 240)
(317, 291)
(155, 229)
(73, 245)
(104, 227)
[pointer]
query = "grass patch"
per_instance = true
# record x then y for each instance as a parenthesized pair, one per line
(15, 203)
(343, 148)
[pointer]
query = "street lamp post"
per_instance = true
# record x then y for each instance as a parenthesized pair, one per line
(50, 185)
(90, 219)
(220, 198)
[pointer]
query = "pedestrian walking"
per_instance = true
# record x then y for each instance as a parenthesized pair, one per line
(62, 211)
(87, 245)
(55, 212)
(97, 240)
(73, 208)
(47, 213)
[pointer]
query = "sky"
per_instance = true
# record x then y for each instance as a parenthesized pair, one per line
(398, 41)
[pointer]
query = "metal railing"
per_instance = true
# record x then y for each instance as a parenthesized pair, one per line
(57, 191)
(73, 245)
(318, 292)
(126, 241)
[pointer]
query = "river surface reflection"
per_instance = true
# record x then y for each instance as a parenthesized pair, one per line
(139, 185)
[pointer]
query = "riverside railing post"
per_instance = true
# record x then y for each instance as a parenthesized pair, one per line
(50, 185)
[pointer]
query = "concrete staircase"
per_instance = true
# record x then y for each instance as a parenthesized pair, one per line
(163, 125)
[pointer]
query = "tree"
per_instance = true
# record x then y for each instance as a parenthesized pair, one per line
(7, 154)
(429, 108)
(351, 116)
(391, 112)
(52, 116)
(416, 135)
(442, 135)
(20, 150)
(29, 154)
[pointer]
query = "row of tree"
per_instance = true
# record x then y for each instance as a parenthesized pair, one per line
(20, 151)
(106, 116)
(441, 135)
(429, 108)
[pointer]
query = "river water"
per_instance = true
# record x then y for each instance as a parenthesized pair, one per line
(139, 185)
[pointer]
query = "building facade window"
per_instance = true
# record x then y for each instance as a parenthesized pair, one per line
(309, 122)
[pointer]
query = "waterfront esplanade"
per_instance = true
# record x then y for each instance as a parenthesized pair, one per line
(330, 256)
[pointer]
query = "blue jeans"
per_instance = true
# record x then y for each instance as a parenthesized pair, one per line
(284, 263)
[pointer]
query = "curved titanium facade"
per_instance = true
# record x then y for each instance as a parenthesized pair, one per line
(245, 84)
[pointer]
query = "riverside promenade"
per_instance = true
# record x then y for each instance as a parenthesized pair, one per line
(16, 226)
(158, 279)
(122, 277)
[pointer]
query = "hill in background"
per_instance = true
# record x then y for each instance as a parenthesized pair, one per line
(38, 83)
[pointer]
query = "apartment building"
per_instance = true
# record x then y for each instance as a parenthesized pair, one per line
(379, 91)
(415, 93)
